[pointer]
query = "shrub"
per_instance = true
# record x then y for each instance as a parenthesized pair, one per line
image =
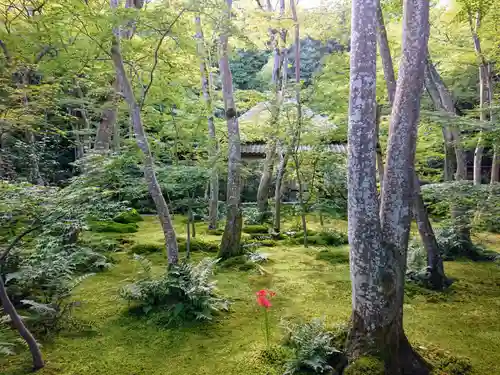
(146, 248)
(365, 366)
(128, 217)
(329, 237)
(417, 256)
(334, 237)
(112, 227)
(184, 293)
(253, 229)
(333, 257)
(102, 245)
(452, 245)
(313, 348)
(197, 244)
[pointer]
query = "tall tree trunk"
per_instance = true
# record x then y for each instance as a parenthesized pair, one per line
(380, 157)
(438, 278)
(279, 87)
(483, 92)
(495, 161)
(230, 243)
(213, 205)
(142, 142)
(379, 244)
(298, 129)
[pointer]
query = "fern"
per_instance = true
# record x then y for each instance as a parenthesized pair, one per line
(184, 293)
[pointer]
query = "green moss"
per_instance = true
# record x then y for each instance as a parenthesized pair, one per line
(444, 363)
(252, 229)
(215, 232)
(127, 217)
(240, 262)
(365, 366)
(333, 257)
(112, 227)
(197, 244)
(146, 248)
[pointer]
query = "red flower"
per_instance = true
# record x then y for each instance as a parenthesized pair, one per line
(264, 302)
(261, 293)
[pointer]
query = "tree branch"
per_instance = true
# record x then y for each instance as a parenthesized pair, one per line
(155, 64)
(16, 241)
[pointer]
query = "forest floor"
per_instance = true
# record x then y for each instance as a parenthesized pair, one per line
(464, 321)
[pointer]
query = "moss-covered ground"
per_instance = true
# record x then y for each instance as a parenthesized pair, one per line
(464, 321)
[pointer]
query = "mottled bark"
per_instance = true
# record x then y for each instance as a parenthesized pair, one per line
(231, 239)
(378, 246)
(142, 142)
(380, 157)
(265, 179)
(106, 125)
(213, 205)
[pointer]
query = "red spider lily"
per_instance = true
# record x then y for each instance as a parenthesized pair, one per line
(263, 296)
(264, 302)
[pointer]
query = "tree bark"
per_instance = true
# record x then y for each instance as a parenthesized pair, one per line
(142, 142)
(108, 119)
(213, 204)
(231, 239)
(495, 166)
(379, 244)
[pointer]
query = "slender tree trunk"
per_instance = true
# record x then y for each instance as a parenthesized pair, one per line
(85, 120)
(213, 204)
(230, 243)
(18, 323)
(438, 279)
(495, 165)
(142, 142)
(385, 54)
(379, 244)
(116, 136)
(278, 191)
(279, 87)
(483, 93)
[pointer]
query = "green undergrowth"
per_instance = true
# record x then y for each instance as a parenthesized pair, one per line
(464, 322)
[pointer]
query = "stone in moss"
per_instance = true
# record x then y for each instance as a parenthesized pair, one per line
(365, 366)
(129, 216)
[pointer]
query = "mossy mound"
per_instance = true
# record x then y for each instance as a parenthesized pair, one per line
(215, 232)
(253, 229)
(444, 363)
(365, 366)
(333, 257)
(197, 244)
(239, 262)
(113, 227)
(324, 238)
(129, 216)
(146, 248)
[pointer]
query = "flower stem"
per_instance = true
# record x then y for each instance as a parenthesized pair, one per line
(267, 327)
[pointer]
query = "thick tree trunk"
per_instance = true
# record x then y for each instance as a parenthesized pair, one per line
(18, 323)
(378, 247)
(231, 239)
(213, 204)
(142, 141)
(265, 179)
